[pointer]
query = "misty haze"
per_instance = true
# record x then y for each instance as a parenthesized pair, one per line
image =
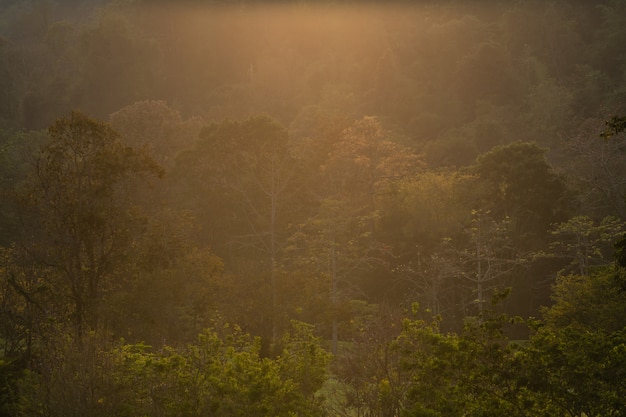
(312, 208)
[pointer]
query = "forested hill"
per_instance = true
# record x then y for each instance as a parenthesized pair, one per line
(309, 208)
(432, 72)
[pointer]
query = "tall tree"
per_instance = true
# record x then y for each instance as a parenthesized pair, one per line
(243, 179)
(79, 218)
(425, 208)
(335, 245)
(484, 261)
(516, 181)
(360, 170)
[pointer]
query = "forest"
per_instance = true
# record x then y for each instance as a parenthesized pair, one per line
(312, 208)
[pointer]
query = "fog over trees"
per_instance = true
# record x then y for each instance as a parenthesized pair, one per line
(312, 208)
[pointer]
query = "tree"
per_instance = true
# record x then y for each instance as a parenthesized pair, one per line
(303, 361)
(614, 126)
(485, 260)
(74, 377)
(423, 209)
(364, 171)
(79, 217)
(243, 174)
(341, 239)
(472, 373)
(576, 357)
(426, 207)
(585, 242)
(180, 292)
(221, 373)
(516, 181)
(335, 245)
(371, 379)
(573, 363)
(365, 162)
(430, 280)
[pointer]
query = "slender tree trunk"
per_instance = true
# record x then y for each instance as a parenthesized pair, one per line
(479, 272)
(333, 295)
(273, 213)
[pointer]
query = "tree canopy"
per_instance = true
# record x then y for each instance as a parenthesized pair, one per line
(312, 208)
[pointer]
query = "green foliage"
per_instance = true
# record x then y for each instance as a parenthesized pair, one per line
(573, 363)
(578, 371)
(614, 126)
(472, 373)
(593, 301)
(221, 374)
(367, 375)
(302, 359)
(576, 358)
